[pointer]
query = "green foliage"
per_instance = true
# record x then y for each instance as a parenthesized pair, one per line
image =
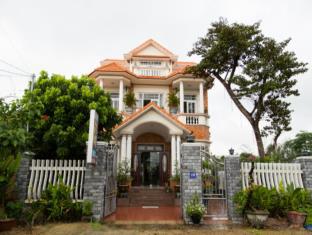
(176, 176)
(301, 145)
(56, 205)
(256, 71)
(87, 208)
(130, 99)
(123, 172)
(59, 110)
(260, 199)
(173, 99)
(195, 207)
(297, 199)
(14, 209)
(309, 216)
(277, 202)
(13, 133)
(8, 168)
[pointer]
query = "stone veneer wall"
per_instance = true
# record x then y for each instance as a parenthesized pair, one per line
(190, 162)
(306, 167)
(233, 180)
(23, 175)
(94, 183)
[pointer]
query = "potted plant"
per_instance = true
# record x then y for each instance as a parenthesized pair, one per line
(123, 178)
(130, 100)
(87, 210)
(253, 203)
(298, 201)
(173, 101)
(8, 168)
(195, 209)
(175, 179)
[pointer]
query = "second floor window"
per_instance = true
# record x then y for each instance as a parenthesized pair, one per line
(115, 100)
(146, 98)
(189, 103)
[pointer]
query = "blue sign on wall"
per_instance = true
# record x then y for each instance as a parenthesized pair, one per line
(193, 175)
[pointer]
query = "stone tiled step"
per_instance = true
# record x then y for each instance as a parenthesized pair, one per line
(150, 197)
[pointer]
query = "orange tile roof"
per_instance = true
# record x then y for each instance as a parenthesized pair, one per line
(140, 111)
(111, 65)
(149, 42)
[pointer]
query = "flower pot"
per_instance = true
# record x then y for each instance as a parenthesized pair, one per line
(257, 218)
(7, 224)
(308, 227)
(196, 218)
(296, 219)
(172, 184)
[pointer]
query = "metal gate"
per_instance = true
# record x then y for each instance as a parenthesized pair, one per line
(214, 186)
(110, 188)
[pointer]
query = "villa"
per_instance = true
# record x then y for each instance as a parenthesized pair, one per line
(151, 134)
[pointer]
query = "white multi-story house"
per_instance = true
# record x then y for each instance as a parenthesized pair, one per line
(150, 136)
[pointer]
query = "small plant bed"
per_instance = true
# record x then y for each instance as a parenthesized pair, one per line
(293, 204)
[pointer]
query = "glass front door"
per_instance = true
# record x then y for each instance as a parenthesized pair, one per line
(150, 165)
(150, 168)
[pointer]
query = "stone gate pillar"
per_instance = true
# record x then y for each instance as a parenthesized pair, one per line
(23, 175)
(233, 180)
(306, 167)
(191, 169)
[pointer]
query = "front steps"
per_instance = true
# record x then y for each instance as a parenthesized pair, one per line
(148, 197)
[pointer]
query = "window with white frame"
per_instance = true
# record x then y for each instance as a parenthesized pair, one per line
(146, 98)
(115, 100)
(189, 103)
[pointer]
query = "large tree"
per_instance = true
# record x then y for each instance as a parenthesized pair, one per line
(256, 71)
(60, 111)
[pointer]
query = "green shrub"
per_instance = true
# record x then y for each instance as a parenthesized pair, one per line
(55, 205)
(14, 209)
(277, 202)
(87, 208)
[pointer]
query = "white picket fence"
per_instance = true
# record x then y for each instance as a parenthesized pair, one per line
(271, 174)
(43, 172)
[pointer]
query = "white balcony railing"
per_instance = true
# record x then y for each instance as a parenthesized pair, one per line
(193, 119)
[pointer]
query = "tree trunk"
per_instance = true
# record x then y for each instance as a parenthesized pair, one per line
(255, 125)
(257, 133)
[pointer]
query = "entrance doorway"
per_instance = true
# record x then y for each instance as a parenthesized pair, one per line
(150, 165)
(150, 168)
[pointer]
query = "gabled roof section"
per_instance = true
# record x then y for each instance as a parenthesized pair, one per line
(145, 109)
(154, 47)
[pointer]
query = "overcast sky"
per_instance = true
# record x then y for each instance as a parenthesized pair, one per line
(72, 36)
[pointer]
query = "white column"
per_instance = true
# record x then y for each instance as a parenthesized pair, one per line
(102, 83)
(121, 91)
(173, 154)
(129, 145)
(201, 98)
(123, 147)
(181, 97)
(178, 150)
(207, 103)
